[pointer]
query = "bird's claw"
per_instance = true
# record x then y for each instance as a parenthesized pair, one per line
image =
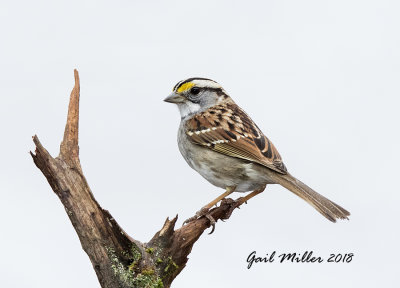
(212, 223)
(202, 212)
(189, 220)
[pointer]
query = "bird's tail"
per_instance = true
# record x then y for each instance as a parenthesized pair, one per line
(326, 207)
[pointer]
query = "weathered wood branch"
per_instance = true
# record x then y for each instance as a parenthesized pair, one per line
(119, 260)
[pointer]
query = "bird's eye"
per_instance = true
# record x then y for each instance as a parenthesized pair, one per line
(195, 90)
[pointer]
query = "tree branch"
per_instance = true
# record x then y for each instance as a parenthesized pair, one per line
(69, 149)
(118, 260)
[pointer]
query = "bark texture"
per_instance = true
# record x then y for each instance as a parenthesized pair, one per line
(119, 260)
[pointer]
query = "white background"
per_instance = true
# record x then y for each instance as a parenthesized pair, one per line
(320, 78)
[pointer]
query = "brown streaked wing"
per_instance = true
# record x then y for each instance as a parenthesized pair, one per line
(227, 129)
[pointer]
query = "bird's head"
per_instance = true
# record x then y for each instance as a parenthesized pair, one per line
(194, 95)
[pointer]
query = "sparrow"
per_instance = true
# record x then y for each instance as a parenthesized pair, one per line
(221, 142)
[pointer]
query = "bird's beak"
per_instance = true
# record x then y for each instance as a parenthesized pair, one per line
(175, 98)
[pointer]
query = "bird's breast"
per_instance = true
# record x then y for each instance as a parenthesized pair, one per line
(219, 169)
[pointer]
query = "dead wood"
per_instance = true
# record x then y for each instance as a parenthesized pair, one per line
(119, 260)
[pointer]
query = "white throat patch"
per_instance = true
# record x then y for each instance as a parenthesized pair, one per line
(188, 108)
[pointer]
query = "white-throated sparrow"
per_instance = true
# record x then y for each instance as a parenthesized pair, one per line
(220, 141)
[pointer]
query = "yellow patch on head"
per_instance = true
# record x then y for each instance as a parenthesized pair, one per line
(185, 87)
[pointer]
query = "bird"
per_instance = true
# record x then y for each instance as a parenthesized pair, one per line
(223, 144)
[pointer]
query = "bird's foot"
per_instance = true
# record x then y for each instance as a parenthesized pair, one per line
(212, 223)
(202, 212)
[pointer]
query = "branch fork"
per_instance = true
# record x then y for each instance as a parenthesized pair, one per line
(118, 259)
